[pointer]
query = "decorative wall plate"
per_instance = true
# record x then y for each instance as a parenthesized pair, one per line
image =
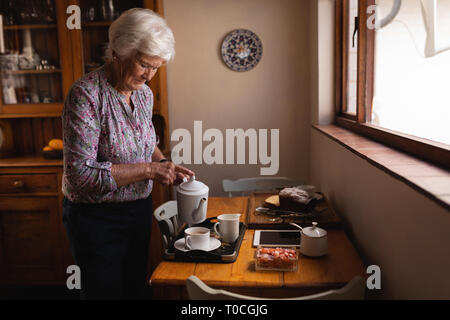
(241, 50)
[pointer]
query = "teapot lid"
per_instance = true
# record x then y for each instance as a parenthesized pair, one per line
(192, 187)
(314, 231)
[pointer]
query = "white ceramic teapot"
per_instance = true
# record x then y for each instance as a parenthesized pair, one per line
(192, 201)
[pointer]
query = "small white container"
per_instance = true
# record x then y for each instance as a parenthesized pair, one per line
(314, 241)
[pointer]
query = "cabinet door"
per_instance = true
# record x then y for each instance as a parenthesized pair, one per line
(30, 248)
(35, 68)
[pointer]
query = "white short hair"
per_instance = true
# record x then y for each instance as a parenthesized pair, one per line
(141, 30)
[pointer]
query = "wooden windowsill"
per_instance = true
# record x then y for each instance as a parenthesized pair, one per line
(428, 179)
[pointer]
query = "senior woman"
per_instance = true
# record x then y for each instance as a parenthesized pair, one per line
(111, 159)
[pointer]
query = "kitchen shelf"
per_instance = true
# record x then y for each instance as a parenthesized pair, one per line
(29, 26)
(30, 115)
(33, 71)
(29, 161)
(96, 24)
(31, 110)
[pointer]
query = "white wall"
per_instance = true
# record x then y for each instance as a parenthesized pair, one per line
(393, 225)
(321, 61)
(272, 95)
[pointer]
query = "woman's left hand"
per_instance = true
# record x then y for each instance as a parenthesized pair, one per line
(182, 173)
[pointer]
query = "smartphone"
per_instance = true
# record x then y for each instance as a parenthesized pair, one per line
(277, 238)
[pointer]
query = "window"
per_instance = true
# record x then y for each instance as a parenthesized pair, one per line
(351, 63)
(393, 73)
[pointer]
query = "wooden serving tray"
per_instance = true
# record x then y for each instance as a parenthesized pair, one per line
(323, 214)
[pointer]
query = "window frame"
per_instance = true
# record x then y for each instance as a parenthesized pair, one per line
(432, 151)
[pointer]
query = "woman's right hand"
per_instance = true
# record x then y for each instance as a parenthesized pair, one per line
(163, 172)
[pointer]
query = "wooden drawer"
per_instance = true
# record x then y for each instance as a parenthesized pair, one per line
(26, 183)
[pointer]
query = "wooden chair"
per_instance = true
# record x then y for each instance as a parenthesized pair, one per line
(167, 217)
(257, 184)
(198, 290)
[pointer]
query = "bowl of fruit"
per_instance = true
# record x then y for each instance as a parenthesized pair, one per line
(53, 150)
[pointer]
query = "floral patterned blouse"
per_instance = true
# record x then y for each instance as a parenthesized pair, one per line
(99, 129)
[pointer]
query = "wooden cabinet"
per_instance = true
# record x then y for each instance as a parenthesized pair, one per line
(33, 247)
(35, 72)
(43, 57)
(33, 244)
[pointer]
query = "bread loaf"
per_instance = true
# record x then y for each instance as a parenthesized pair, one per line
(295, 199)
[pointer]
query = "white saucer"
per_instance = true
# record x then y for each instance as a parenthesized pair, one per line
(213, 244)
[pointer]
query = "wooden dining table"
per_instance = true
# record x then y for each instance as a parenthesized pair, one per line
(314, 275)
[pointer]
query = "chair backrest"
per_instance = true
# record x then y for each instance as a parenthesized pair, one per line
(244, 185)
(198, 290)
(167, 217)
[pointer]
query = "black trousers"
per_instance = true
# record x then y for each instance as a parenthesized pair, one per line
(110, 243)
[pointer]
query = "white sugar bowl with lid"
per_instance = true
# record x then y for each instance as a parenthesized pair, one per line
(314, 242)
(192, 201)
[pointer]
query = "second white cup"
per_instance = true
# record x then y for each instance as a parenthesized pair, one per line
(228, 227)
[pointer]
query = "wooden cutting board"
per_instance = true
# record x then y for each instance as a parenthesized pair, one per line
(326, 216)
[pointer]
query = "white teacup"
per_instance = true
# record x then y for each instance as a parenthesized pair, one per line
(228, 227)
(197, 238)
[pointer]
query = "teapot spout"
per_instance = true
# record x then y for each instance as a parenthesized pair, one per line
(200, 212)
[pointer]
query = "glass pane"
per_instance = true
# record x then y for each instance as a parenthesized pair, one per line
(412, 72)
(29, 67)
(352, 59)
